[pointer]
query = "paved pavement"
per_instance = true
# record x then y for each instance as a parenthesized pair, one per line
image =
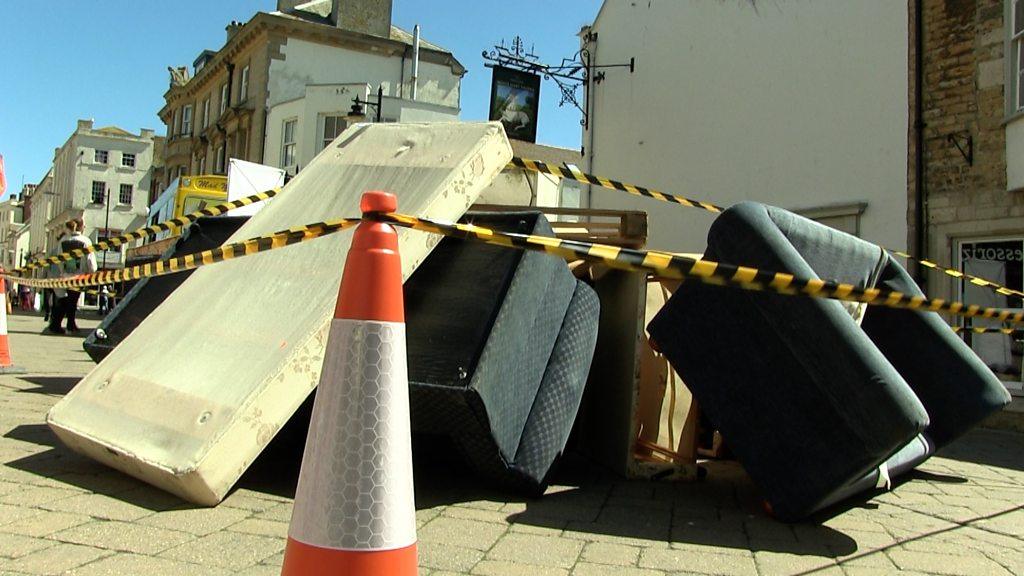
(61, 513)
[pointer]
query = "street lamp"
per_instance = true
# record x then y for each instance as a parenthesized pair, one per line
(106, 225)
(357, 104)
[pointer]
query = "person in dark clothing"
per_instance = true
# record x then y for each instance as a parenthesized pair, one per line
(67, 303)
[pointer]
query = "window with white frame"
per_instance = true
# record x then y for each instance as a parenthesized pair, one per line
(206, 113)
(333, 126)
(224, 98)
(1000, 260)
(218, 166)
(101, 156)
(243, 86)
(186, 119)
(1017, 51)
(128, 160)
(99, 191)
(176, 123)
(125, 194)
(288, 143)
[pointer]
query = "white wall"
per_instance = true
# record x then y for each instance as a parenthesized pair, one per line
(322, 100)
(307, 63)
(795, 103)
(309, 109)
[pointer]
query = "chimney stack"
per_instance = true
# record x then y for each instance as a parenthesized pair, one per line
(233, 28)
(286, 6)
(366, 16)
(84, 125)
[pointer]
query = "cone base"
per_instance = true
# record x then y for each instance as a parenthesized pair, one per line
(303, 559)
(12, 370)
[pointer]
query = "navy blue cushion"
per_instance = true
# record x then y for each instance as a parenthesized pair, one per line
(801, 394)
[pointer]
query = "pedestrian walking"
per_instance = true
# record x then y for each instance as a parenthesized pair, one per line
(67, 300)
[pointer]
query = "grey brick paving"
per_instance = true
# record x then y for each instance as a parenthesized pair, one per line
(60, 513)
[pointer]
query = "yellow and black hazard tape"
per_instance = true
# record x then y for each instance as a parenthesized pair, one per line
(172, 225)
(671, 266)
(562, 172)
(983, 330)
(976, 280)
(196, 260)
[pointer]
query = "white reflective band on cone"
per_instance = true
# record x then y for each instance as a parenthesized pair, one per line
(356, 487)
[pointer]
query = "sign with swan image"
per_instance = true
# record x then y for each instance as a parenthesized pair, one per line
(515, 97)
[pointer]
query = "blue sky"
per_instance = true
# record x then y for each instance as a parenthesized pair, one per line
(107, 60)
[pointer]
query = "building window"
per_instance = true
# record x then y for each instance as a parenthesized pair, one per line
(1000, 260)
(223, 98)
(218, 166)
(101, 156)
(288, 143)
(333, 126)
(128, 160)
(125, 195)
(206, 113)
(99, 192)
(1017, 53)
(186, 119)
(176, 124)
(243, 88)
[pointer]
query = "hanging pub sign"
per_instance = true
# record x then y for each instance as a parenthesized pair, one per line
(515, 97)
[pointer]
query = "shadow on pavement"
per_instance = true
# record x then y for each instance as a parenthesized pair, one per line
(999, 448)
(60, 465)
(723, 511)
(54, 385)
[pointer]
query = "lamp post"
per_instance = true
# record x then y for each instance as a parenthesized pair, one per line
(106, 224)
(357, 104)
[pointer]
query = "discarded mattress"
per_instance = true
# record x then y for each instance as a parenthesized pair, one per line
(500, 345)
(812, 404)
(189, 399)
(148, 293)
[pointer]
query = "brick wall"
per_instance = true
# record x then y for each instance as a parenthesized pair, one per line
(963, 94)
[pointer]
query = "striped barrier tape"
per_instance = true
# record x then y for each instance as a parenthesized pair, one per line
(195, 260)
(563, 172)
(982, 330)
(977, 281)
(660, 264)
(676, 267)
(172, 225)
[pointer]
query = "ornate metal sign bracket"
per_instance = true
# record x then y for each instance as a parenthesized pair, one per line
(569, 75)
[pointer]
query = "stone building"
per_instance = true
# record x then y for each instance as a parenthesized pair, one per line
(11, 221)
(38, 202)
(102, 175)
(283, 85)
(969, 212)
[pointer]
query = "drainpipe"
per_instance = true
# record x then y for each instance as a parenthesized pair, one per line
(591, 45)
(415, 59)
(920, 196)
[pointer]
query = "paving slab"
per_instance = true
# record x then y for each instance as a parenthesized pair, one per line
(961, 513)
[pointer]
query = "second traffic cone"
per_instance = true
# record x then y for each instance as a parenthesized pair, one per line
(354, 512)
(6, 363)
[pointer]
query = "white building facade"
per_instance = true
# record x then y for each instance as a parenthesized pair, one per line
(103, 176)
(11, 221)
(284, 82)
(802, 105)
(38, 203)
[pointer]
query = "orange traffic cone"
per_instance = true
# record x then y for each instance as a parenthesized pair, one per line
(6, 364)
(354, 512)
